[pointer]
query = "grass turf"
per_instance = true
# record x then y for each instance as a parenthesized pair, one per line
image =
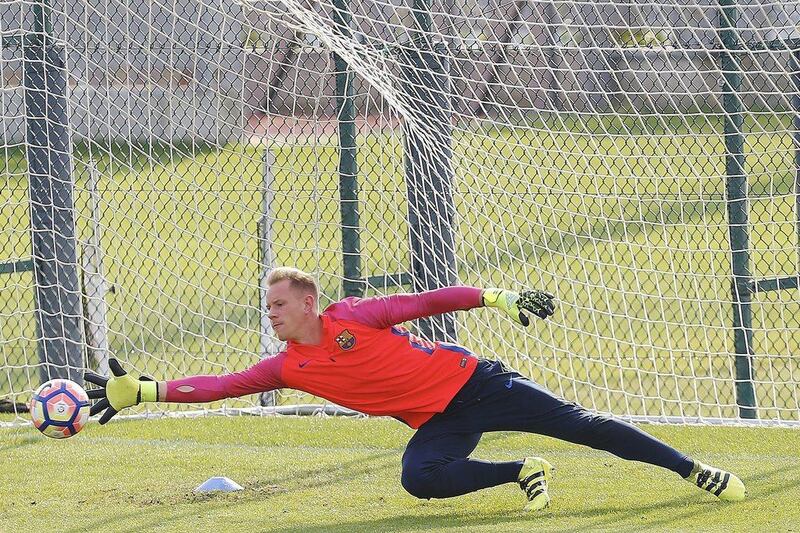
(321, 475)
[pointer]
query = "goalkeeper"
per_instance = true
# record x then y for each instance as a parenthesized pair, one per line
(355, 354)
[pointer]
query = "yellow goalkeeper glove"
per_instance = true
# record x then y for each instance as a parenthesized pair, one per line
(540, 303)
(119, 391)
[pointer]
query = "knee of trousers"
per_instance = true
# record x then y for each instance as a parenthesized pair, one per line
(598, 428)
(418, 482)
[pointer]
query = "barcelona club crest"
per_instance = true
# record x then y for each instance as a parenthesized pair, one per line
(345, 340)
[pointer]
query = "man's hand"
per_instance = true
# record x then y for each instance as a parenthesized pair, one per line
(119, 391)
(540, 303)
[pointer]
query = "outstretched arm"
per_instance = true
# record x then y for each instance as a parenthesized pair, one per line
(386, 311)
(261, 377)
(122, 390)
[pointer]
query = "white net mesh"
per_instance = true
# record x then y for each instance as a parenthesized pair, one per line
(584, 145)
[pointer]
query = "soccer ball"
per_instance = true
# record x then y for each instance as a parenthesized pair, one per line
(59, 408)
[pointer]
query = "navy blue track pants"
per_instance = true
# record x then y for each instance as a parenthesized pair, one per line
(436, 462)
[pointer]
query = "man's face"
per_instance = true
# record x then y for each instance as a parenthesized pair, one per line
(289, 310)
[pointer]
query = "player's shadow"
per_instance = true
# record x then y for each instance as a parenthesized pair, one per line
(621, 520)
(338, 471)
(351, 469)
(317, 477)
(261, 491)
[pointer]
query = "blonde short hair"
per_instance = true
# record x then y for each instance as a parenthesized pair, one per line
(298, 279)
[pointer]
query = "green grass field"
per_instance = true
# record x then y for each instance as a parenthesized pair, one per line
(326, 475)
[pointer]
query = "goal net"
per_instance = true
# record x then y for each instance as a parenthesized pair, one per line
(638, 159)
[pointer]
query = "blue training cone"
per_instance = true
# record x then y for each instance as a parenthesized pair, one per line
(222, 484)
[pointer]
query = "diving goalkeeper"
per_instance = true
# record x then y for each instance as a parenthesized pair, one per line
(355, 354)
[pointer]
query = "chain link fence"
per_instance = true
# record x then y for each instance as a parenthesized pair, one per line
(589, 156)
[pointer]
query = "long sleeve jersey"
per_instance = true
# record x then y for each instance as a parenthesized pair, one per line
(365, 361)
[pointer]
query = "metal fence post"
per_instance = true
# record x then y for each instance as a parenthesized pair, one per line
(348, 166)
(268, 347)
(55, 260)
(736, 185)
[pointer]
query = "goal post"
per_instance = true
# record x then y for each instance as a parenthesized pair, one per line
(429, 180)
(640, 160)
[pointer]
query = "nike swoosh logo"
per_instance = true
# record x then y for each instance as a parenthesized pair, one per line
(304, 363)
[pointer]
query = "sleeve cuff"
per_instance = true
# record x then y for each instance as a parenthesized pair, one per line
(148, 391)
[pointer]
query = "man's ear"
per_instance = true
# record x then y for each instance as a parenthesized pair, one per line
(309, 303)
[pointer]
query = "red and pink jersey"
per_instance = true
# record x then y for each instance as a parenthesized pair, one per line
(365, 361)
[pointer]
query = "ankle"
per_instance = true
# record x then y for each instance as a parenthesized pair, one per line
(694, 469)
